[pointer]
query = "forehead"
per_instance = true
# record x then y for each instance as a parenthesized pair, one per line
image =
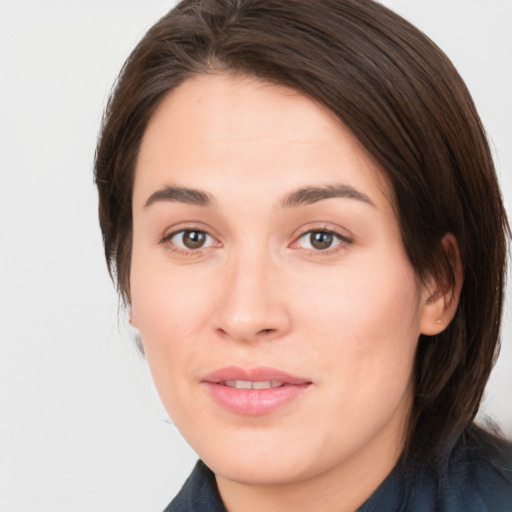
(230, 100)
(245, 131)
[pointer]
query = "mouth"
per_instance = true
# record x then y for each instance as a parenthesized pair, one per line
(255, 391)
(247, 384)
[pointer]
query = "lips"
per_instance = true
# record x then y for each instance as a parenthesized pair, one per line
(254, 391)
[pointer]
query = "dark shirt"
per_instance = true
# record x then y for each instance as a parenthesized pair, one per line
(471, 478)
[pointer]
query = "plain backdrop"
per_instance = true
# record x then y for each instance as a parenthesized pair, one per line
(81, 428)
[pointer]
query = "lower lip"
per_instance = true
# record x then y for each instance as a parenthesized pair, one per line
(254, 402)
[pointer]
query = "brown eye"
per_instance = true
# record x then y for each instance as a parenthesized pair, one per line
(193, 239)
(321, 240)
(190, 239)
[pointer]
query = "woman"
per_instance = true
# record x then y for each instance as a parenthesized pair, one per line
(300, 208)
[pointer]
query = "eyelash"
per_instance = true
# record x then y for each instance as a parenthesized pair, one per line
(343, 241)
(166, 240)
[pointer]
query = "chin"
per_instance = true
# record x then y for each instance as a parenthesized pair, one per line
(257, 472)
(276, 460)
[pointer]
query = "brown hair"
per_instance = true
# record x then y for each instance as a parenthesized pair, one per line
(405, 102)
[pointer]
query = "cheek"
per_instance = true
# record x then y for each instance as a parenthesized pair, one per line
(360, 299)
(167, 318)
(365, 327)
(163, 311)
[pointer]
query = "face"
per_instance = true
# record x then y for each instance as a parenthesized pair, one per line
(278, 310)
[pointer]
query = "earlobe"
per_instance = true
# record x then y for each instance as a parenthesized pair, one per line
(132, 318)
(441, 299)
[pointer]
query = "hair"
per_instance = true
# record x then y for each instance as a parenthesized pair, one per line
(405, 102)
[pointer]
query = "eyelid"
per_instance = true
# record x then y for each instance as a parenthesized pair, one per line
(186, 226)
(345, 240)
(176, 230)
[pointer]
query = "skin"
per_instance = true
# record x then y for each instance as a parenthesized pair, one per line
(259, 294)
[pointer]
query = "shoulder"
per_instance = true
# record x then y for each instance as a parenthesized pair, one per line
(475, 475)
(480, 470)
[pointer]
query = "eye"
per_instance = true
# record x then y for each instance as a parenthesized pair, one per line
(320, 240)
(190, 239)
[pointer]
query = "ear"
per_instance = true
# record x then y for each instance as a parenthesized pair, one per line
(440, 300)
(137, 337)
(132, 317)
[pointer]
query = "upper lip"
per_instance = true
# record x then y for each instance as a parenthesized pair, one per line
(256, 374)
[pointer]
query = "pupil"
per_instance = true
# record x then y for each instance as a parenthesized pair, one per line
(193, 239)
(320, 240)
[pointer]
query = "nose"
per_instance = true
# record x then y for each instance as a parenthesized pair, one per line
(252, 303)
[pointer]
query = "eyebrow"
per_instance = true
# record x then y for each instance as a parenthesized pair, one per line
(182, 195)
(310, 195)
(300, 197)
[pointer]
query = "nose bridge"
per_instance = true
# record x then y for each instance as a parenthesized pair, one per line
(251, 306)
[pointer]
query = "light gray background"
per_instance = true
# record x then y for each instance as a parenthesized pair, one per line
(81, 428)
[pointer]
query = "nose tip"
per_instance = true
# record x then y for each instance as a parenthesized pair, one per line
(246, 330)
(252, 306)
(248, 318)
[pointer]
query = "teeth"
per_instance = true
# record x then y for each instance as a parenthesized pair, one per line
(262, 385)
(247, 384)
(239, 384)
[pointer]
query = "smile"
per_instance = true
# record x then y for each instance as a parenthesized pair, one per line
(255, 391)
